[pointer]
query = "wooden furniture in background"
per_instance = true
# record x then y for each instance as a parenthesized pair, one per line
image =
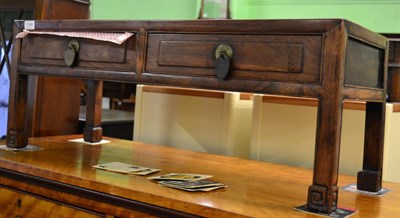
(305, 58)
(55, 104)
(9, 10)
(62, 173)
(121, 95)
(394, 68)
(115, 123)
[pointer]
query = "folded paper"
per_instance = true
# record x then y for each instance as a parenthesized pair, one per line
(117, 38)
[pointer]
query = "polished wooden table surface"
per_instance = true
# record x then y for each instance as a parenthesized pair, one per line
(255, 189)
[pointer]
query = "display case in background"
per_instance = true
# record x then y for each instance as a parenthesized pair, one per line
(4, 87)
(394, 68)
(55, 112)
(9, 11)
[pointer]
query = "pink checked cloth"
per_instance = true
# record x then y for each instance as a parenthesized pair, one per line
(117, 38)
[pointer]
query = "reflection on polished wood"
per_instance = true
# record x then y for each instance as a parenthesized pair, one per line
(254, 189)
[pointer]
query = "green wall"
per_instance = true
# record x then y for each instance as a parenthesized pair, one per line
(144, 9)
(378, 15)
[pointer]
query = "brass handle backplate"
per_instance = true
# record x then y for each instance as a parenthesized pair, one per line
(223, 55)
(71, 52)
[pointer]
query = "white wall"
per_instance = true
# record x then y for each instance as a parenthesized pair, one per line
(219, 125)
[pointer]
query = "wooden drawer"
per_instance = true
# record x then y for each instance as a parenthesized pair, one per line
(18, 204)
(255, 57)
(49, 50)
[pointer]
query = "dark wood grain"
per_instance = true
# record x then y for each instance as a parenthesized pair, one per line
(42, 51)
(16, 129)
(323, 193)
(16, 5)
(360, 33)
(181, 53)
(265, 57)
(309, 26)
(370, 178)
(93, 131)
(81, 73)
(61, 9)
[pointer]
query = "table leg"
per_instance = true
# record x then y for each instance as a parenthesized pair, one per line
(323, 193)
(370, 178)
(17, 136)
(93, 131)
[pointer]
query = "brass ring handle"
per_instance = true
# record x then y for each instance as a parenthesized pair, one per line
(223, 49)
(223, 55)
(71, 52)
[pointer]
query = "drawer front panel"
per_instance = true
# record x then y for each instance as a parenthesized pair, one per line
(49, 50)
(254, 57)
(18, 204)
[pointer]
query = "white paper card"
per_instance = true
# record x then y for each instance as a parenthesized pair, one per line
(81, 140)
(29, 25)
(126, 168)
